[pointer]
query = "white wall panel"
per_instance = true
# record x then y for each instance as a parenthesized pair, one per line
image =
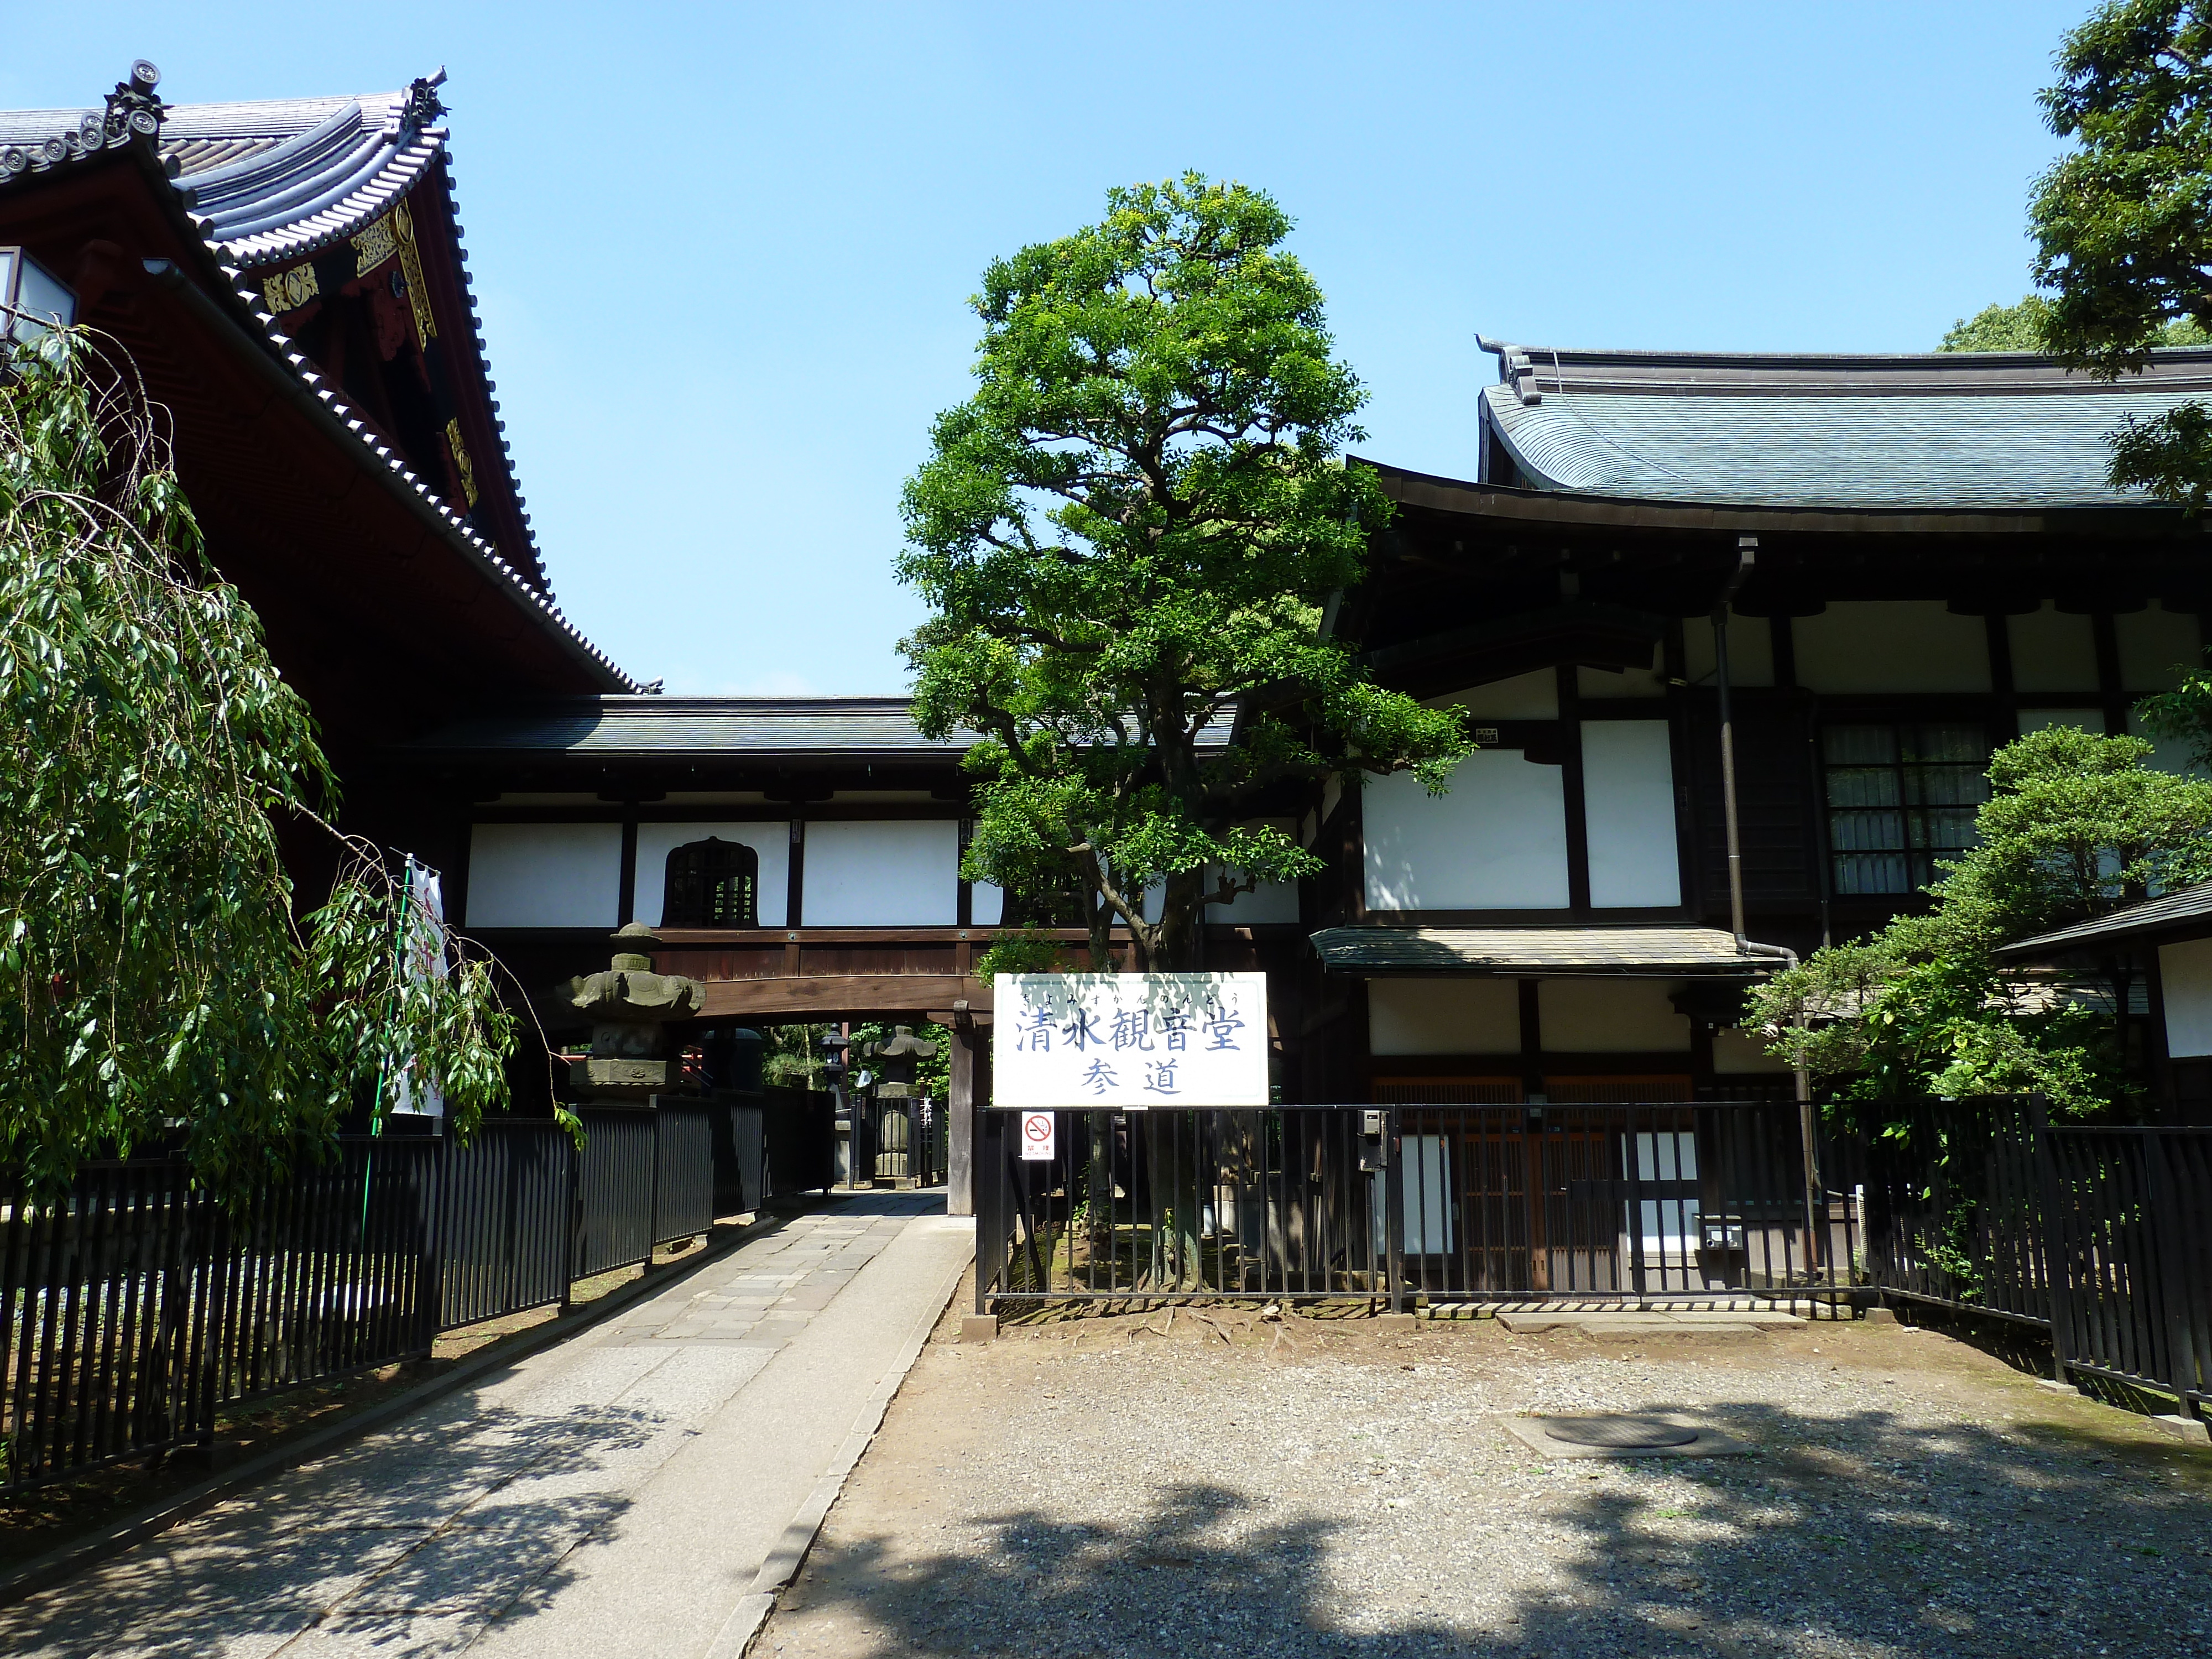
(771, 842)
(1751, 650)
(986, 904)
(2184, 979)
(882, 874)
(1610, 1017)
(1272, 901)
(1891, 645)
(1497, 842)
(1628, 797)
(2052, 651)
(1599, 684)
(2174, 754)
(2154, 643)
(1443, 1017)
(545, 875)
(1739, 1054)
(1531, 697)
(2091, 720)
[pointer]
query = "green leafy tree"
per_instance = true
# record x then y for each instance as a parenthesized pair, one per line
(2122, 223)
(792, 1055)
(2077, 827)
(154, 979)
(2000, 328)
(1128, 539)
(2022, 327)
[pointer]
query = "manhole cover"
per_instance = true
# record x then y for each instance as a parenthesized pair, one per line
(1620, 1433)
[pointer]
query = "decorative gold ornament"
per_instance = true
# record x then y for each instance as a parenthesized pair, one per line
(288, 290)
(395, 233)
(461, 463)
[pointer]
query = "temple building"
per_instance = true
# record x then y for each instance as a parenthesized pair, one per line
(1914, 559)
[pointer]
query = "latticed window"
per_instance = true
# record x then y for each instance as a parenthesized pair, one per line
(1901, 799)
(711, 884)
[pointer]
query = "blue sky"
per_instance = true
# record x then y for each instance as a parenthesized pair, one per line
(722, 252)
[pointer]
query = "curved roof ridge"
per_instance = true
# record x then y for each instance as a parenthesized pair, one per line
(256, 168)
(136, 117)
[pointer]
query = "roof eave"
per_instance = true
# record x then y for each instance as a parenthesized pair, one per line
(1561, 507)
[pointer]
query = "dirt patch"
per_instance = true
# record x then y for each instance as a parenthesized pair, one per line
(1213, 1482)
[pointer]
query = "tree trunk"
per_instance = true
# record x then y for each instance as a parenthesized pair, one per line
(1175, 1141)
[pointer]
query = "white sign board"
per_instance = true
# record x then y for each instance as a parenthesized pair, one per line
(1039, 1135)
(1129, 1040)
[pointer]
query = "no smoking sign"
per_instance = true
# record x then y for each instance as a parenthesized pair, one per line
(1038, 1134)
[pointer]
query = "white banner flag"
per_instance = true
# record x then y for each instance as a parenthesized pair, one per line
(1129, 1040)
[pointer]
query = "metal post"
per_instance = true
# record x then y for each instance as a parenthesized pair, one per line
(1393, 1216)
(1813, 1252)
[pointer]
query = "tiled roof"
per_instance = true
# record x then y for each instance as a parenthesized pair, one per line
(278, 181)
(711, 727)
(609, 727)
(1647, 952)
(270, 181)
(2168, 911)
(1938, 430)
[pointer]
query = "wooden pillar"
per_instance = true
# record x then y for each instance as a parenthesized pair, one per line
(970, 1087)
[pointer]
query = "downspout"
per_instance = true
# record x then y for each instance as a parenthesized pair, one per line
(1746, 555)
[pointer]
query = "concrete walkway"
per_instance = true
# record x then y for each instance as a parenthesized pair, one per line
(639, 1490)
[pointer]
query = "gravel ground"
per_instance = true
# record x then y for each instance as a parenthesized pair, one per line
(1225, 1485)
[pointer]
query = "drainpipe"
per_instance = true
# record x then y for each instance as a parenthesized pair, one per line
(1746, 555)
(1804, 1090)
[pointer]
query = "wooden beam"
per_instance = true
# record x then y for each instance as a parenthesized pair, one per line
(798, 997)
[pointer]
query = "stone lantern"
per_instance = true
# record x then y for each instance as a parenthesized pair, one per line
(895, 1063)
(629, 1007)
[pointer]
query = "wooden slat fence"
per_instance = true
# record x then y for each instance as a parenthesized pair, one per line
(134, 1307)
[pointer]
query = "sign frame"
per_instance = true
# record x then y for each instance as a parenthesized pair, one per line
(1129, 1042)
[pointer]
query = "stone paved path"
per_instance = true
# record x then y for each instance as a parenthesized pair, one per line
(616, 1494)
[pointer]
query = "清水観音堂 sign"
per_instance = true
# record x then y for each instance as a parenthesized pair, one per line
(1129, 1040)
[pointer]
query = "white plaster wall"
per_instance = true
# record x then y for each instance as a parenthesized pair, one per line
(1272, 901)
(1497, 842)
(1643, 680)
(1531, 697)
(1891, 645)
(2052, 651)
(771, 842)
(888, 873)
(1751, 650)
(2153, 642)
(1628, 799)
(2043, 719)
(2174, 754)
(986, 904)
(1738, 1053)
(545, 875)
(1443, 1017)
(1610, 1017)
(2184, 978)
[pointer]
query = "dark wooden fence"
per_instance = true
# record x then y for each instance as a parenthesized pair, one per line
(134, 1307)
(1435, 1202)
(899, 1143)
(2100, 1235)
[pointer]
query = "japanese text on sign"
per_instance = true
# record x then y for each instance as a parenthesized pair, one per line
(1037, 1135)
(1130, 1040)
